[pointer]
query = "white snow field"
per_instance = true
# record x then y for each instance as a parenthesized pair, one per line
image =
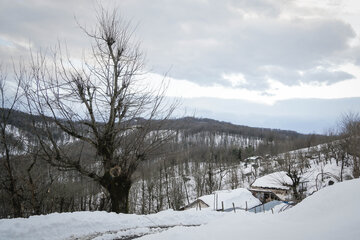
(331, 213)
(99, 225)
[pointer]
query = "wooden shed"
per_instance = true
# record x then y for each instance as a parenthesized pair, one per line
(271, 187)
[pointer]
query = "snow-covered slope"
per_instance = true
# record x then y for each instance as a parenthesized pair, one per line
(332, 213)
(94, 225)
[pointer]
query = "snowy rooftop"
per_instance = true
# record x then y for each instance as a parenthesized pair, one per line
(237, 196)
(253, 158)
(273, 180)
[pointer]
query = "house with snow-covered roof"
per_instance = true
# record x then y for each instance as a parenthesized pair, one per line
(274, 186)
(241, 198)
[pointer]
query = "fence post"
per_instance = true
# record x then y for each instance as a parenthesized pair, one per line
(222, 205)
(272, 210)
(234, 207)
(264, 207)
(246, 206)
(214, 200)
(217, 201)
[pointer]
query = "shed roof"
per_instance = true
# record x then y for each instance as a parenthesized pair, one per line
(274, 180)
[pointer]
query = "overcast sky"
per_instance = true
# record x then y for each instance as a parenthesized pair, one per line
(285, 64)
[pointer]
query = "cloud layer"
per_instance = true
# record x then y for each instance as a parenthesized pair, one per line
(203, 40)
(261, 40)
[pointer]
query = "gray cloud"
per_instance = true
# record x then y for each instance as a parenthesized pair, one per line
(199, 40)
(324, 76)
(263, 7)
(201, 48)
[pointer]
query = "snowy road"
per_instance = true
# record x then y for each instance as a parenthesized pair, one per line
(127, 234)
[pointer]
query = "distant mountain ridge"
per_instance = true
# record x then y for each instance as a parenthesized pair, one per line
(191, 125)
(195, 125)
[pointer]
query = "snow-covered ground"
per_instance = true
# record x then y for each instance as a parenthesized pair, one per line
(331, 213)
(99, 225)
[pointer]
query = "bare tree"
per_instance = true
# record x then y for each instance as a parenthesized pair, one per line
(350, 130)
(294, 172)
(9, 180)
(101, 103)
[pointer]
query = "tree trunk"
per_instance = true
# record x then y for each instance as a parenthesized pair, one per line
(356, 169)
(118, 188)
(16, 205)
(143, 196)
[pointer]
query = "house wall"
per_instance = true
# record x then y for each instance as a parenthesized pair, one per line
(198, 204)
(274, 190)
(269, 194)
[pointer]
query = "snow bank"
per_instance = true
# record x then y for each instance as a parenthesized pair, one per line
(72, 225)
(332, 213)
(237, 196)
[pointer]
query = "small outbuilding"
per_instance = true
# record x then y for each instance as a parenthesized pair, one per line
(226, 200)
(272, 187)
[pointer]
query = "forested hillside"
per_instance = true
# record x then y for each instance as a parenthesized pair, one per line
(201, 156)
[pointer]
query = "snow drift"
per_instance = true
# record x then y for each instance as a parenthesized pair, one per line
(332, 213)
(88, 225)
